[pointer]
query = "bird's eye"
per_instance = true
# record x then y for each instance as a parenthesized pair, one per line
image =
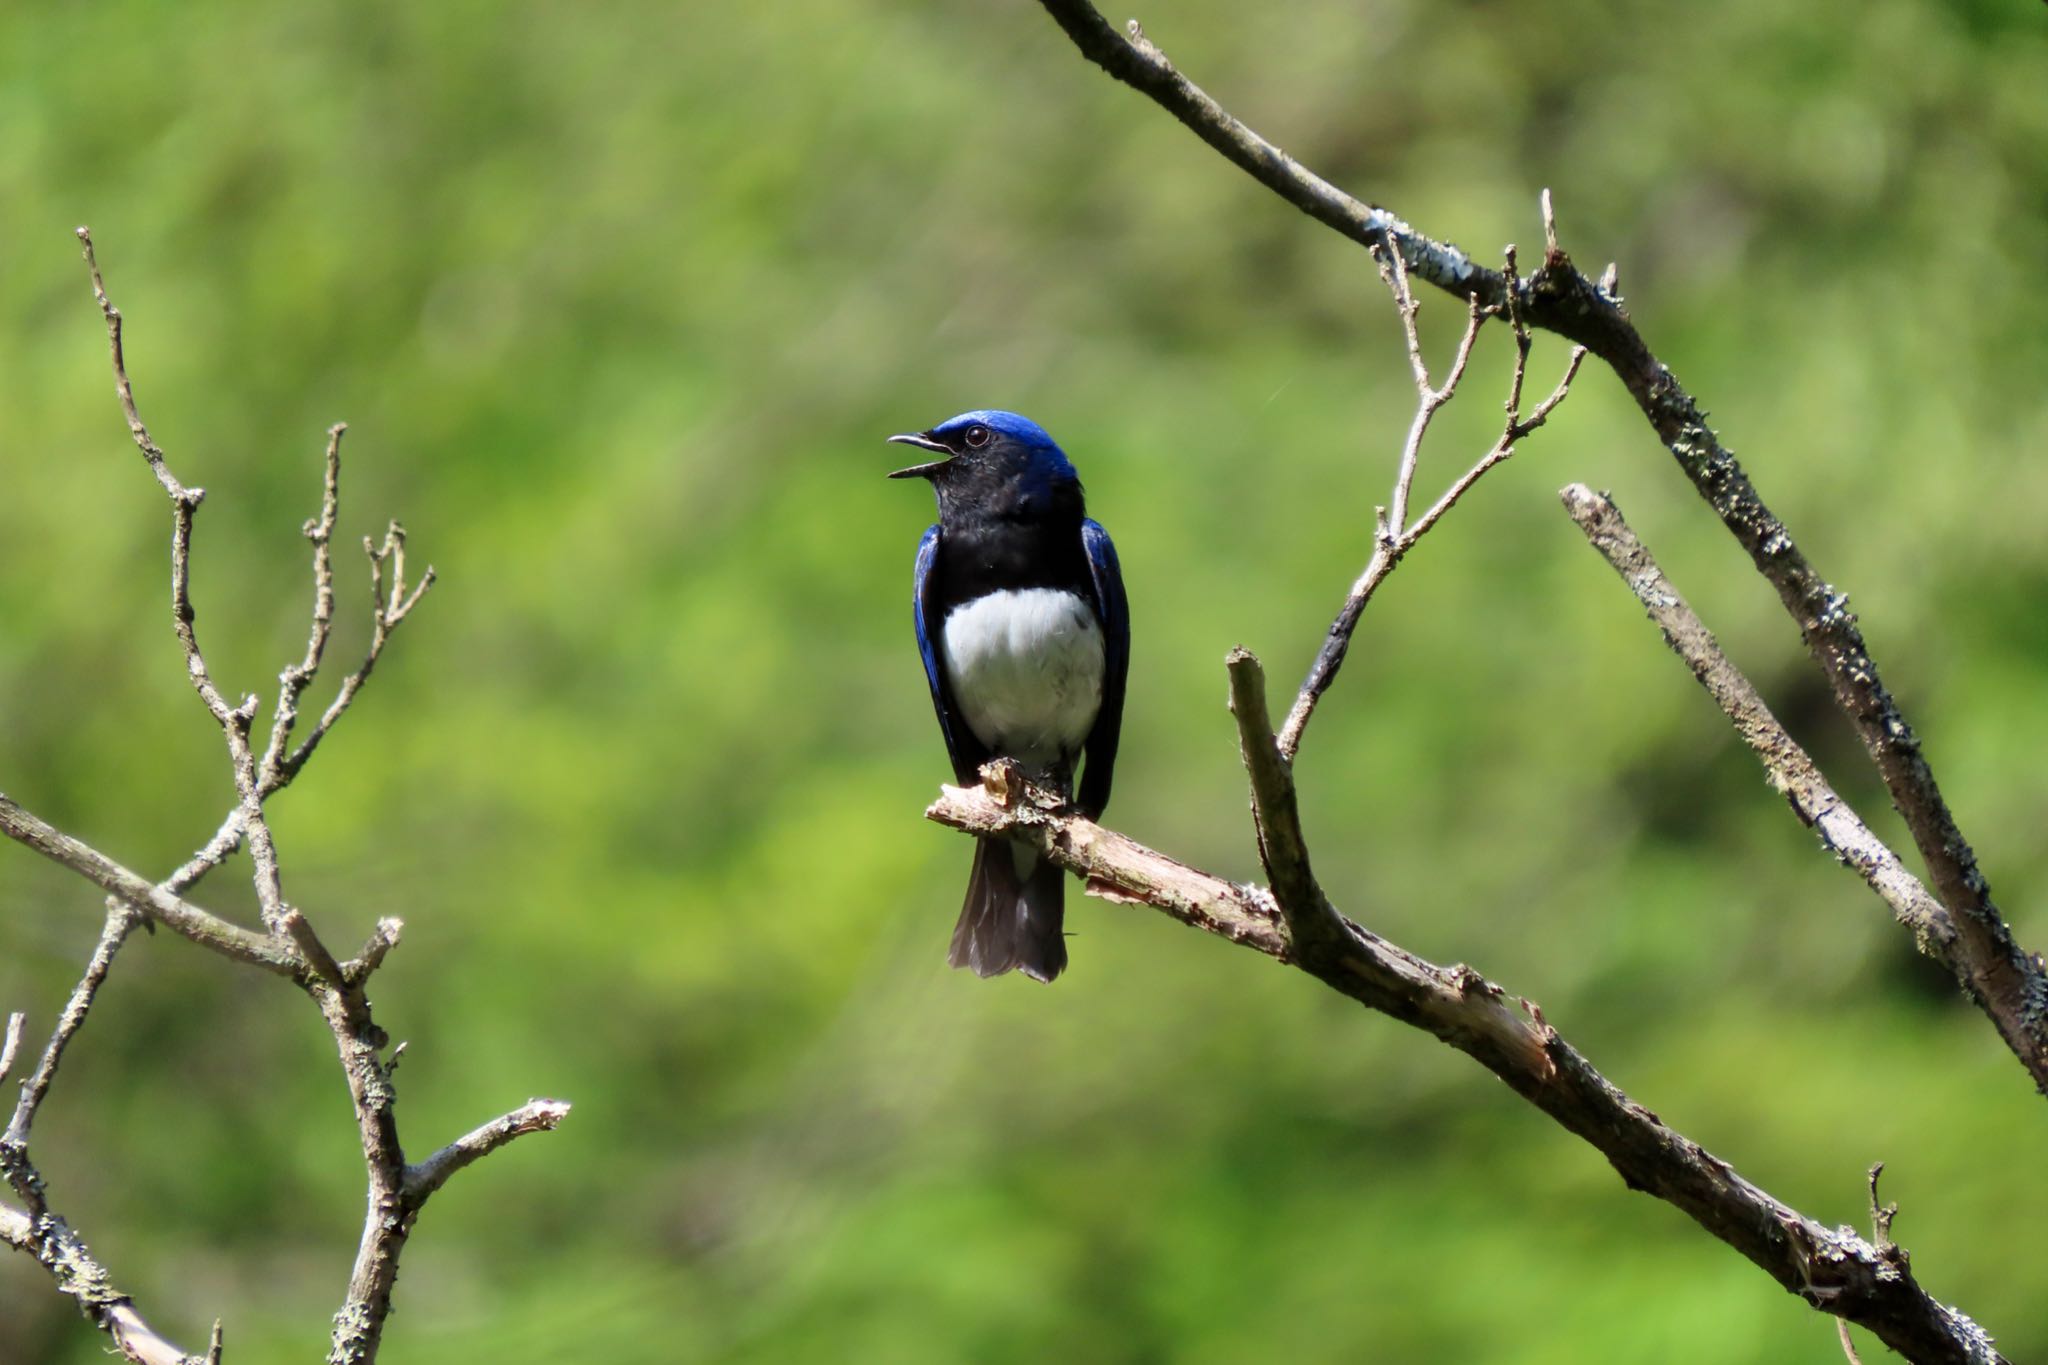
(977, 437)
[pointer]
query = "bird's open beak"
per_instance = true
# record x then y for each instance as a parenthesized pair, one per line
(922, 442)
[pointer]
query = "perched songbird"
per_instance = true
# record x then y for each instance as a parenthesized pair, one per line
(1026, 642)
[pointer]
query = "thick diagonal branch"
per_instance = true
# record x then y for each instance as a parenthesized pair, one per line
(1560, 299)
(1831, 1268)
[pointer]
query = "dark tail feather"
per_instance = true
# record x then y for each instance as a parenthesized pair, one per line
(1011, 919)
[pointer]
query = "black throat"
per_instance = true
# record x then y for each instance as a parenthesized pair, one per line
(1010, 532)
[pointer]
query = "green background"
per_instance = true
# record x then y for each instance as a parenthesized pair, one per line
(619, 301)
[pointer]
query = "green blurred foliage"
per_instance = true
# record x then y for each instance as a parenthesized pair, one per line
(618, 301)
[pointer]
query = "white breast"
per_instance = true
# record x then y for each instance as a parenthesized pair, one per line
(1026, 669)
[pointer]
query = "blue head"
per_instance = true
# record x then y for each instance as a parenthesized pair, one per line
(994, 460)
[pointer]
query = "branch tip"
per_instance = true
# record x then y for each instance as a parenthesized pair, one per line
(300, 930)
(535, 1116)
(1881, 1215)
(375, 948)
(12, 1043)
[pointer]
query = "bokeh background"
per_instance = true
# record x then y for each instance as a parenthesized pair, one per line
(619, 302)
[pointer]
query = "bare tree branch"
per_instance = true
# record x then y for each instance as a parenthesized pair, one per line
(1791, 772)
(1132, 874)
(2010, 984)
(291, 947)
(234, 720)
(1831, 1268)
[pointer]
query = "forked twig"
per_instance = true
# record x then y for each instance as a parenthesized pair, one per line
(1394, 535)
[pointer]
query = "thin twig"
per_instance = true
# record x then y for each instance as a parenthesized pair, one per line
(292, 683)
(1502, 449)
(16, 1168)
(280, 763)
(381, 941)
(1429, 398)
(184, 502)
(178, 492)
(121, 922)
(1394, 535)
(11, 1044)
(234, 721)
(1833, 1268)
(389, 607)
(210, 855)
(398, 1192)
(535, 1116)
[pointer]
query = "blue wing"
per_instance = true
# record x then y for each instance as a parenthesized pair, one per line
(961, 746)
(1115, 615)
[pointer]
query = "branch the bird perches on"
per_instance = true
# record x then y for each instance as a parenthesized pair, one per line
(1955, 921)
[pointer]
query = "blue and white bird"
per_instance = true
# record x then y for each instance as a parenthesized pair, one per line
(1027, 642)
